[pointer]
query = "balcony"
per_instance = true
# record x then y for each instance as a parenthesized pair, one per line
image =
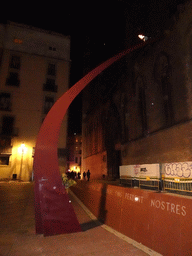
(4, 151)
(5, 101)
(6, 107)
(50, 86)
(13, 79)
(9, 132)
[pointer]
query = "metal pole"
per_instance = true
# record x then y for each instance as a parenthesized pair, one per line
(21, 163)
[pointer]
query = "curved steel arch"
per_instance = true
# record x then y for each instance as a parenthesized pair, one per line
(53, 212)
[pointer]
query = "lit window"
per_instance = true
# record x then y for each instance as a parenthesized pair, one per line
(18, 41)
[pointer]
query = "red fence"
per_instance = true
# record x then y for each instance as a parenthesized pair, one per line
(159, 221)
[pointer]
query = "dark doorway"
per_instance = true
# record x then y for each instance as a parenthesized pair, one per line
(112, 137)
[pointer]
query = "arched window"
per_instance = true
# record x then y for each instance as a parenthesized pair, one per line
(162, 73)
(113, 131)
(141, 97)
(142, 109)
(124, 111)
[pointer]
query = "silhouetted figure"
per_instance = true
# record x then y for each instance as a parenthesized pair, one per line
(84, 175)
(72, 175)
(88, 175)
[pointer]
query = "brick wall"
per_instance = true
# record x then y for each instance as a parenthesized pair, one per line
(169, 145)
(97, 164)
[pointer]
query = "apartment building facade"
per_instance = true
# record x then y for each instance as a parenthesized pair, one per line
(34, 73)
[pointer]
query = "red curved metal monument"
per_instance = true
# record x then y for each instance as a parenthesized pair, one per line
(53, 212)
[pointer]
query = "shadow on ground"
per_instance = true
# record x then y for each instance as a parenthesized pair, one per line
(90, 224)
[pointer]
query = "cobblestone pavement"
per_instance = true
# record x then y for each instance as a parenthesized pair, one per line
(18, 238)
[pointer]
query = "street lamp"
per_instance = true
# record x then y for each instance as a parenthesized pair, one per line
(142, 37)
(22, 150)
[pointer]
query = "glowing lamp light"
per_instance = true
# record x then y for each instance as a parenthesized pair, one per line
(22, 149)
(18, 41)
(142, 37)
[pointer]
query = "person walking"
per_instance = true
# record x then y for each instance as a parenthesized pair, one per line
(88, 175)
(84, 175)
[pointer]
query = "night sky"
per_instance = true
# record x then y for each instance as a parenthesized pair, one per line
(94, 25)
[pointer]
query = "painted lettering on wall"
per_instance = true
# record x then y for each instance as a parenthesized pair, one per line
(114, 193)
(169, 207)
(158, 204)
(118, 194)
(134, 198)
(109, 191)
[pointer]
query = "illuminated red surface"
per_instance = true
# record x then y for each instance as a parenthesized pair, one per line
(53, 212)
(160, 221)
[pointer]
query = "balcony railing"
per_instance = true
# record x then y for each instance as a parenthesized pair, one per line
(9, 132)
(6, 150)
(5, 107)
(13, 80)
(50, 87)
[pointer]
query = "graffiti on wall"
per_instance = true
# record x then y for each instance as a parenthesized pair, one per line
(180, 169)
(169, 170)
(143, 170)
